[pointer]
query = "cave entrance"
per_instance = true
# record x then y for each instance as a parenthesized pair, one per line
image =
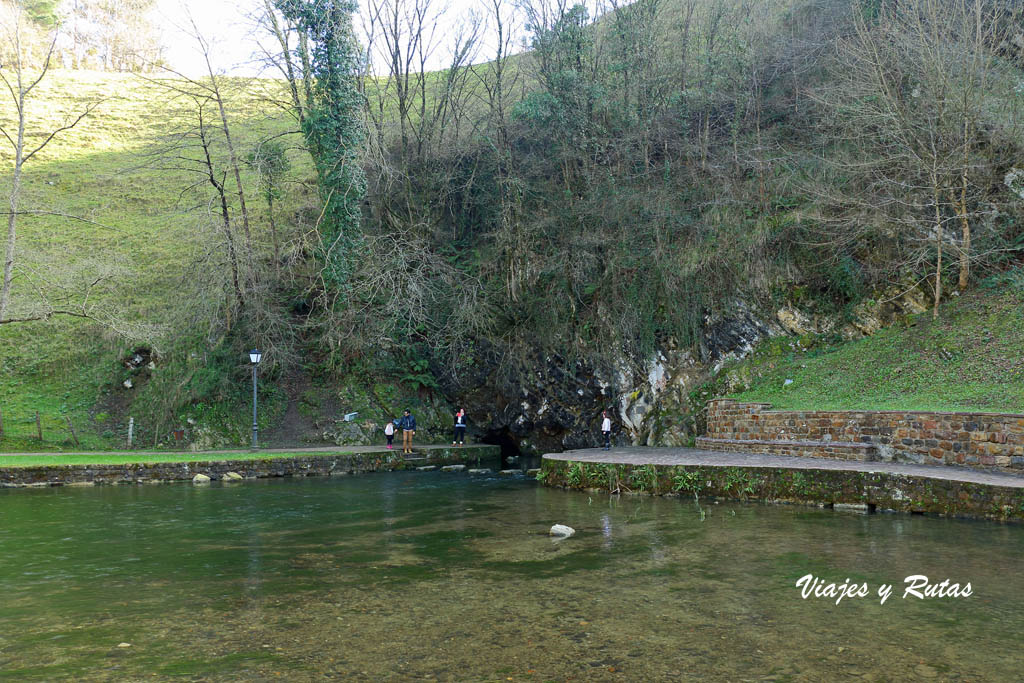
(510, 453)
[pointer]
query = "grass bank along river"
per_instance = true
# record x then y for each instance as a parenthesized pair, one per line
(407, 576)
(146, 468)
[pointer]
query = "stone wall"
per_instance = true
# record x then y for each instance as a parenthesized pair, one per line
(868, 491)
(985, 440)
(285, 466)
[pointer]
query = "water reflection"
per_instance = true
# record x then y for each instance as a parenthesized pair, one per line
(454, 577)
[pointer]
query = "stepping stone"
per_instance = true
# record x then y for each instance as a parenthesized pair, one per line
(480, 470)
(426, 468)
(510, 473)
(453, 468)
(533, 472)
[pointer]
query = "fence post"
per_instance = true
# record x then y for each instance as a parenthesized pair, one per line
(131, 431)
(39, 427)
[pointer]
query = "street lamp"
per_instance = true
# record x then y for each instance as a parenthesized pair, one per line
(254, 357)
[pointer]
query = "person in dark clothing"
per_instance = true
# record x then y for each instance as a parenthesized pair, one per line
(408, 425)
(460, 427)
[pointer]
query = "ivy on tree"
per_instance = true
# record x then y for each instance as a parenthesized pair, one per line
(333, 129)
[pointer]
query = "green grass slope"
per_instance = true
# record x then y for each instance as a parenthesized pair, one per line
(969, 359)
(141, 225)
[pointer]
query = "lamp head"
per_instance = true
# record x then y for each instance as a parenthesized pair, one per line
(255, 356)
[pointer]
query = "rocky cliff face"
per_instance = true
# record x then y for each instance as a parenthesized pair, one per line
(551, 404)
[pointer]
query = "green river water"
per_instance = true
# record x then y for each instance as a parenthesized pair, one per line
(413, 576)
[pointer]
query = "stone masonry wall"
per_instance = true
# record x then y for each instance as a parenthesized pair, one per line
(985, 440)
(285, 466)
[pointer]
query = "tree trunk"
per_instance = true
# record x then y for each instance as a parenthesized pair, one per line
(19, 149)
(938, 247)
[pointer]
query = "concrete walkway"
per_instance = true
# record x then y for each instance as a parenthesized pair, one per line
(694, 456)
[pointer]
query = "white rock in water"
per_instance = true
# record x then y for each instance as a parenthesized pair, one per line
(480, 470)
(231, 476)
(562, 530)
(200, 479)
(453, 468)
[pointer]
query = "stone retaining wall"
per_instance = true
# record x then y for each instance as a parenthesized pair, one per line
(299, 466)
(985, 440)
(868, 491)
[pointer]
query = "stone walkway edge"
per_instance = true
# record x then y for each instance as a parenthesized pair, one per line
(693, 456)
(942, 490)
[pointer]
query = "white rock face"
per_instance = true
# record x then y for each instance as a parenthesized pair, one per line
(200, 479)
(562, 531)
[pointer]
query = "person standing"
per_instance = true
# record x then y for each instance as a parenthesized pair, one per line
(460, 427)
(389, 431)
(408, 425)
(606, 429)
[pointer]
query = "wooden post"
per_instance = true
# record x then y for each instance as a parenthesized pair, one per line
(131, 430)
(74, 436)
(39, 427)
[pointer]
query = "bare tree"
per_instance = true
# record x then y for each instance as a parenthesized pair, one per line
(918, 91)
(16, 74)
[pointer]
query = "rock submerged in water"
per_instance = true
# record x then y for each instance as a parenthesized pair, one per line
(562, 531)
(200, 479)
(231, 476)
(453, 468)
(480, 470)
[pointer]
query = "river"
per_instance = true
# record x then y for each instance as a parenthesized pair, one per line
(453, 577)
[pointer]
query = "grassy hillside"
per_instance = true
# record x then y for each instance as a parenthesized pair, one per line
(142, 227)
(971, 359)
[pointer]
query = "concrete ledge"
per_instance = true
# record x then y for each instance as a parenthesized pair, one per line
(304, 465)
(878, 486)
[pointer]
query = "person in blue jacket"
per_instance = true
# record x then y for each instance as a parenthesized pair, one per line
(408, 425)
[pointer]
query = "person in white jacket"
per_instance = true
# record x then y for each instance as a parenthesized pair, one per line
(606, 429)
(389, 431)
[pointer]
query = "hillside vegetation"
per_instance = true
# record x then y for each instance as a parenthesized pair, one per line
(633, 177)
(970, 359)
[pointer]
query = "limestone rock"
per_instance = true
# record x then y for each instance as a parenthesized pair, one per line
(562, 531)
(480, 470)
(426, 468)
(231, 476)
(510, 473)
(453, 468)
(200, 479)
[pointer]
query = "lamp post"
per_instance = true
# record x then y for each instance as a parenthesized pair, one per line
(254, 357)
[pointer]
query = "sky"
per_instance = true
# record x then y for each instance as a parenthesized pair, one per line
(230, 30)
